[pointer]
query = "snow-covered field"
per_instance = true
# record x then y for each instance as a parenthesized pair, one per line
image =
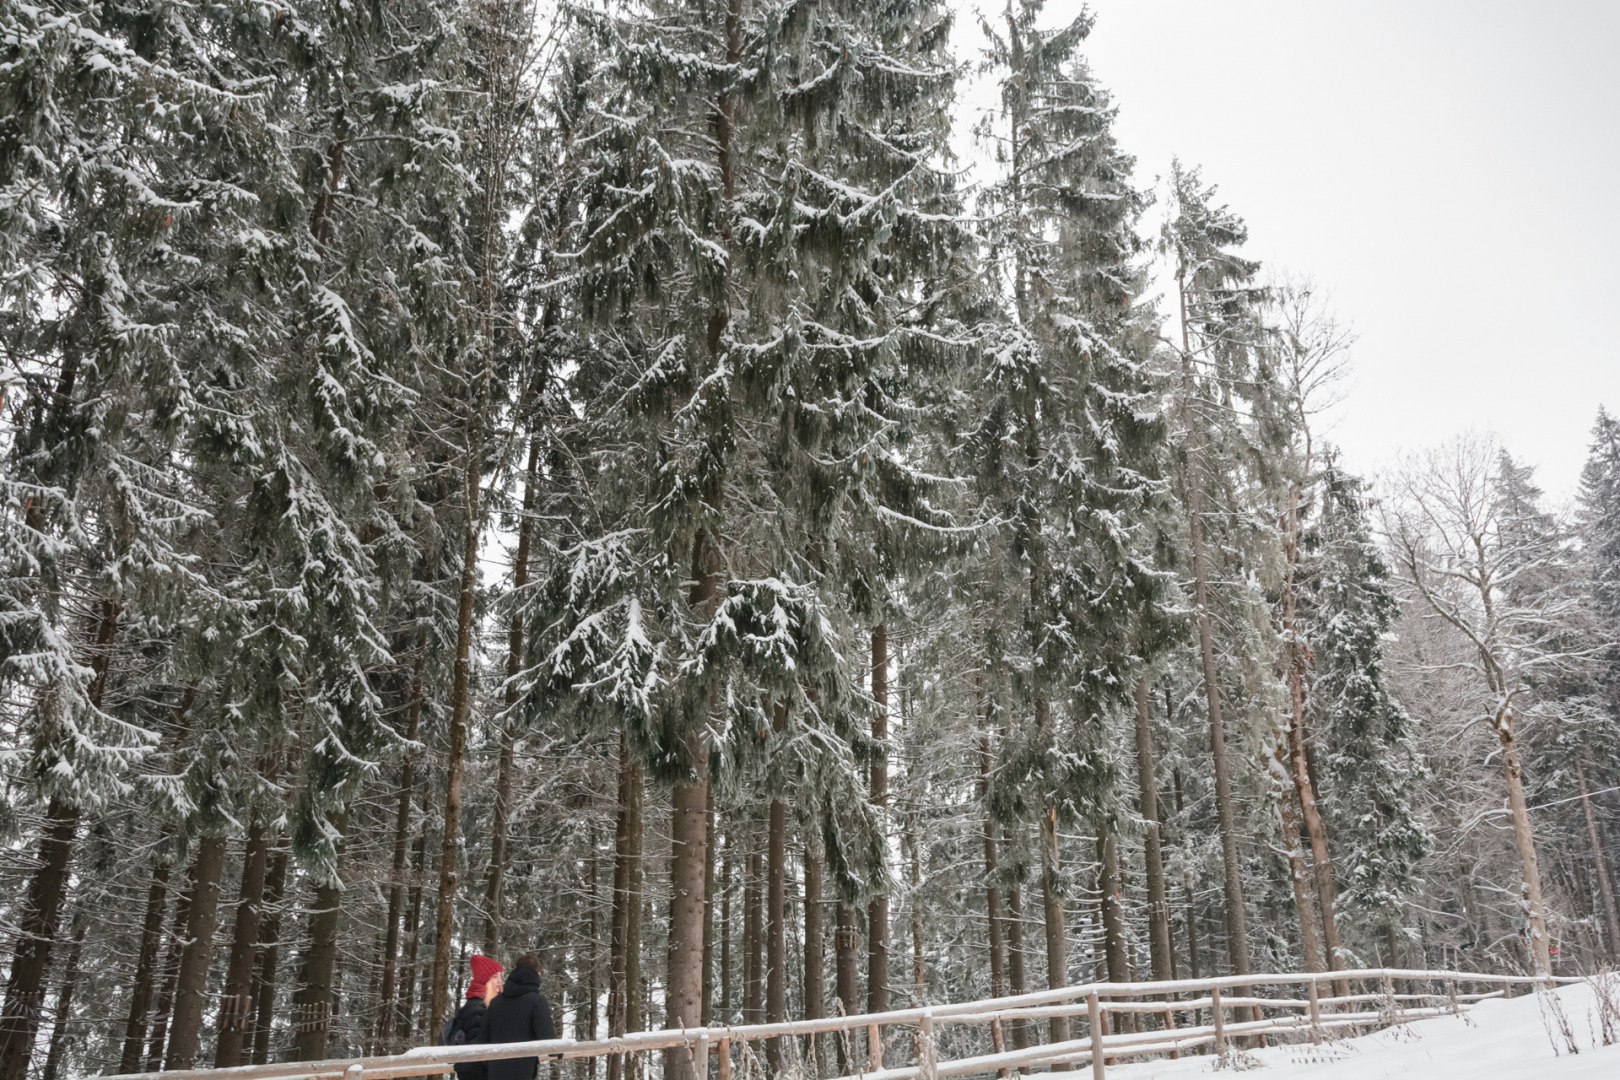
(1496, 1040)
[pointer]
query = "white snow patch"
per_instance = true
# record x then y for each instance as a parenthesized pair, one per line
(1495, 1040)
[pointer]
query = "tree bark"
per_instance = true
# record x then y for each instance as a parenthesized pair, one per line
(1601, 861)
(140, 1000)
(236, 1012)
(877, 911)
(316, 997)
(495, 881)
(727, 934)
(815, 986)
(387, 1022)
(64, 1004)
(1237, 923)
(264, 982)
(413, 923)
(685, 987)
(1160, 953)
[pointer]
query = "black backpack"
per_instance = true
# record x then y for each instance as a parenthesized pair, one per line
(452, 1035)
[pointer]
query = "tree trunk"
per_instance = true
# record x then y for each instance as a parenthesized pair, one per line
(709, 855)
(1057, 949)
(413, 924)
(624, 960)
(171, 971)
(1601, 861)
(877, 911)
(1305, 789)
(1524, 841)
(455, 759)
(815, 988)
(1015, 959)
(919, 973)
(191, 987)
(727, 934)
(495, 881)
(1237, 923)
(846, 940)
(1113, 919)
(387, 1022)
(684, 996)
(753, 939)
(776, 917)
(236, 1011)
(64, 1004)
(316, 998)
(1160, 953)
(264, 984)
(1298, 875)
(140, 1000)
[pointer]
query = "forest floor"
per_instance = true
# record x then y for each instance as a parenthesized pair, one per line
(1496, 1040)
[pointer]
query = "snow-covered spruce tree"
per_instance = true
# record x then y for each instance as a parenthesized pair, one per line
(1371, 771)
(1066, 439)
(1231, 429)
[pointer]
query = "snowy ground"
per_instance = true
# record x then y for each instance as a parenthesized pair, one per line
(1496, 1040)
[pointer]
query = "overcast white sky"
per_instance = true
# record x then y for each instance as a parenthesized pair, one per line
(1447, 170)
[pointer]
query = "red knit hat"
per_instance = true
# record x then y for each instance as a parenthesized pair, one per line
(483, 969)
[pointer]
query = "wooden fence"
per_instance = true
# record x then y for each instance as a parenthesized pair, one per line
(1364, 998)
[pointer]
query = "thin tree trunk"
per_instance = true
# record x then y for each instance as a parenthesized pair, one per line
(1113, 920)
(709, 855)
(140, 1001)
(753, 939)
(264, 986)
(846, 940)
(1057, 949)
(1601, 861)
(64, 1003)
(171, 971)
(1186, 880)
(413, 926)
(776, 915)
(919, 973)
(386, 1020)
(1160, 952)
(455, 758)
(236, 1011)
(1015, 959)
(815, 987)
(624, 958)
(1305, 789)
(1524, 841)
(1298, 875)
(495, 881)
(727, 933)
(317, 1002)
(684, 995)
(877, 911)
(1237, 923)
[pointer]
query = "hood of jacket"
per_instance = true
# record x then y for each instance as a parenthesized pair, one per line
(521, 981)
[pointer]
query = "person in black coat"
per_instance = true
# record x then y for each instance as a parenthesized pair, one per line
(519, 1013)
(467, 1026)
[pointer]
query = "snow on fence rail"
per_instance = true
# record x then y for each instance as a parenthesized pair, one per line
(1313, 1014)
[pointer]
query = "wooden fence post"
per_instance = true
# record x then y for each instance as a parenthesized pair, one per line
(724, 1052)
(925, 1048)
(1316, 1011)
(1099, 1067)
(874, 1047)
(1215, 1012)
(700, 1056)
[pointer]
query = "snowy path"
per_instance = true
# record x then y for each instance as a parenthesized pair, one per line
(1497, 1040)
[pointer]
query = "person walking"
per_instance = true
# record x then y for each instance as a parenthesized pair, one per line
(519, 1013)
(467, 1026)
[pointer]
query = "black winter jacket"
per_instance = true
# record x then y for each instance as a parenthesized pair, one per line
(518, 1014)
(469, 1021)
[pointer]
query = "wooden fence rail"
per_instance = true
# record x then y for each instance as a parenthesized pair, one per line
(1314, 1014)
